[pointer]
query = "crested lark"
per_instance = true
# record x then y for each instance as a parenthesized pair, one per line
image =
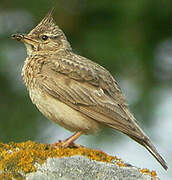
(74, 91)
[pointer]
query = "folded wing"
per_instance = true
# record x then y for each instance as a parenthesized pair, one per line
(90, 90)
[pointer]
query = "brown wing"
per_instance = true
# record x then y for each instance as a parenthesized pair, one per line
(90, 89)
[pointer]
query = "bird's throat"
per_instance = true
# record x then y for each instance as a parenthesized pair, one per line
(29, 49)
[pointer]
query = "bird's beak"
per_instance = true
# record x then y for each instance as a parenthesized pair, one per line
(23, 38)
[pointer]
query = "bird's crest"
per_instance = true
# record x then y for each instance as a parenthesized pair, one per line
(48, 19)
(47, 24)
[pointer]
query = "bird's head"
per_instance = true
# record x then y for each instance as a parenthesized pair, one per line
(46, 36)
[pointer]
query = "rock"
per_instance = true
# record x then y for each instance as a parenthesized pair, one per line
(33, 161)
(79, 167)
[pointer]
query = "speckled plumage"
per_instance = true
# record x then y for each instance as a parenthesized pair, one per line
(72, 90)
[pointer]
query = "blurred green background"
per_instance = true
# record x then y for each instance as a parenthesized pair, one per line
(132, 39)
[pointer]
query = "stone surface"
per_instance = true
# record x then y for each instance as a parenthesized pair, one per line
(34, 161)
(81, 168)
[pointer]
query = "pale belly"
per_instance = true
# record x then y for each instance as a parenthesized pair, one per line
(63, 115)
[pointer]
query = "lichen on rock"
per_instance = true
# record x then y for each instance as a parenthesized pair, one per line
(19, 159)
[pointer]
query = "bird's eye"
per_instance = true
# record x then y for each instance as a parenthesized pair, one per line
(44, 37)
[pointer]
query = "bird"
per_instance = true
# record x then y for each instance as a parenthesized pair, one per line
(73, 91)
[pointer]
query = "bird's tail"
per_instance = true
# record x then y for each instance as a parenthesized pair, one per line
(151, 148)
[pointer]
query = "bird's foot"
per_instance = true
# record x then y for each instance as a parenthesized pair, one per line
(69, 142)
(64, 144)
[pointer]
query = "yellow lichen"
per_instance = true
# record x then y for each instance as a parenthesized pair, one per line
(21, 157)
(15, 157)
(153, 173)
(11, 176)
(147, 171)
(121, 164)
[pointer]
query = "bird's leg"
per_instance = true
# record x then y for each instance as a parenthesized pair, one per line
(69, 141)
